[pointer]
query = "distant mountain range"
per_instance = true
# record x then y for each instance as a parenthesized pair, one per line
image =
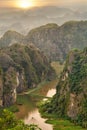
(55, 41)
(25, 20)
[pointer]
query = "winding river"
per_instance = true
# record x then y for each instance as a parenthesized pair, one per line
(29, 111)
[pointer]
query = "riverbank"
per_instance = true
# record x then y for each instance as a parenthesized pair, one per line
(58, 123)
(61, 124)
(27, 104)
(38, 93)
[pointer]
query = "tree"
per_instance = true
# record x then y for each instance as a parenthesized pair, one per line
(9, 122)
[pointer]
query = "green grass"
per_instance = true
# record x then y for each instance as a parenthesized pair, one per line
(32, 94)
(41, 89)
(61, 124)
(58, 123)
(57, 67)
(34, 90)
(12, 108)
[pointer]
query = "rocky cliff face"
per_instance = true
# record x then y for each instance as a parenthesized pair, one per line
(1, 88)
(55, 41)
(21, 67)
(45, 38)
(8, 80)
(71, 97)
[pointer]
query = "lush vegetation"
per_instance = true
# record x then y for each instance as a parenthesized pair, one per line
(61, 124)
(70, 101)
(22, 67)
(9, 122)
(58, 67)
(58, 123)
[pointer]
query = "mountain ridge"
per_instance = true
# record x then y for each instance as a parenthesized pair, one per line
(55, 41)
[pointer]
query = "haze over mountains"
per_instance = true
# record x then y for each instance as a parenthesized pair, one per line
(24, 20)
(55, 41)
(31, 40)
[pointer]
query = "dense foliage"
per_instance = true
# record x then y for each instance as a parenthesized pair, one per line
(9, 122)
(70, 100)
(22, 67)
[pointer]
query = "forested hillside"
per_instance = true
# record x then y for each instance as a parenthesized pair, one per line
(70, 100)
(21, 67)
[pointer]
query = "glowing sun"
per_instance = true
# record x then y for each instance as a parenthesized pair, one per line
(25, 3)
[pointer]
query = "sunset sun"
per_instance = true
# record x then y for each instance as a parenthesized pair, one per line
(25, 3)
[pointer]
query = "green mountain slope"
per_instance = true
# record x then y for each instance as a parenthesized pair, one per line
(71, 96)
(21, 67)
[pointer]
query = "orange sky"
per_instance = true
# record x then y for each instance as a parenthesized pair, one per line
(13, 3)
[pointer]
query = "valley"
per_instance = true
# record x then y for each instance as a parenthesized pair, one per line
(43, 68)
(29, 111)
(69, 101)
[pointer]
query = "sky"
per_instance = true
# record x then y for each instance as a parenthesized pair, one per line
(16, 3)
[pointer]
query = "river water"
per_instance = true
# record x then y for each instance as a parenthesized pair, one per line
(29, 111)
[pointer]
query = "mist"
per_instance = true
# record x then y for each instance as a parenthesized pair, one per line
(23, 20)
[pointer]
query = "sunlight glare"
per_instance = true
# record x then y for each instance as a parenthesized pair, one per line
(25, 3)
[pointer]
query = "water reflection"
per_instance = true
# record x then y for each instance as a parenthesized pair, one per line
(51, 92)
(29, 112)
(35, 118)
